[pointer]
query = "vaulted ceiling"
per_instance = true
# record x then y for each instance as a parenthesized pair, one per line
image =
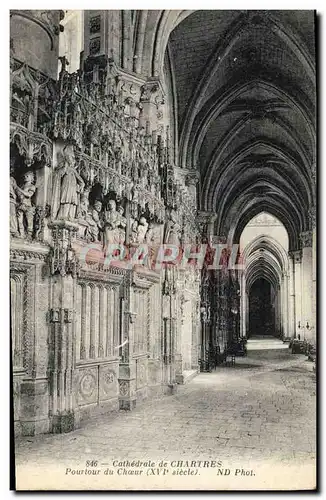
(246, 107)
(264, 257)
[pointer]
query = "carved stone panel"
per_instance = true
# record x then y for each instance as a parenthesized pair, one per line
(97, 320)
(124, 388)
(108, 382)
(22, 281)
(87, 390)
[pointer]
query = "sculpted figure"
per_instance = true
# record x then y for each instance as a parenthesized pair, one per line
(122, 225)
(84, 216)
(82, 210)
(173, 230)
(111, 224)
(141, 230)
(152, 238)
(153, 234)
(95, 221)
(25, 209)
(134, 232)
(13, 204)
(67, 185)
(150, 235)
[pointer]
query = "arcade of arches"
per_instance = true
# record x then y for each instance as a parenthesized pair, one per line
(154, 127)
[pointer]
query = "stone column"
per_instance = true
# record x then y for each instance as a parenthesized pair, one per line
(191, 180)
(181, 321)
(206, 221)
(278, 310)
(62, 323)
(297, 257)
(285, 308)
(127, 366)
(94, 313)
(83, 321)
(291, 297)
(151, 99)
(246, 300)
(307, 270)
(243, 312)
(196, 332)
(173, 336)
(71, 43)
(314, 274)
(102, 322)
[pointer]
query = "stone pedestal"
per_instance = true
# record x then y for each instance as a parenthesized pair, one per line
(64, 422)
(34, 404)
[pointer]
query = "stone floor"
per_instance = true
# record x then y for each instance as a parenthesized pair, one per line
(261, 412)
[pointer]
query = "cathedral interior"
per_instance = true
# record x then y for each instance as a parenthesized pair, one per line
(154, 129)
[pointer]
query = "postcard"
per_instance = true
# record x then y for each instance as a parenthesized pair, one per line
(163, 249)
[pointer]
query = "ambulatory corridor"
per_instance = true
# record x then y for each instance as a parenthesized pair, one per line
(259, 412)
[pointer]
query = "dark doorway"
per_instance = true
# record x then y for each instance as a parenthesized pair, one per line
(261, 311)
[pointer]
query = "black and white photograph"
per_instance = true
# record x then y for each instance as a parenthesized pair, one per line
(163, 249)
